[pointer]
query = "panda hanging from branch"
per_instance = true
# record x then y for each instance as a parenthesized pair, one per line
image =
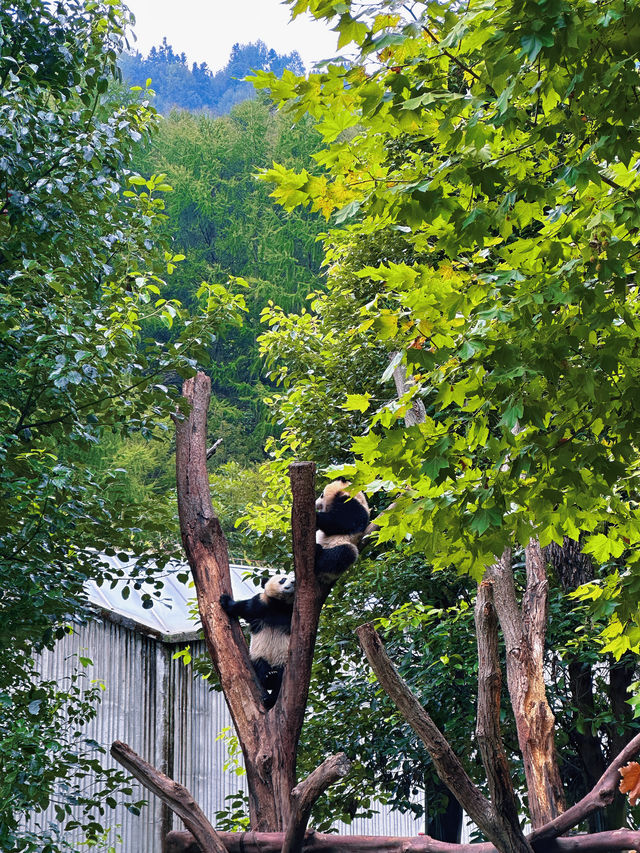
(341, 520)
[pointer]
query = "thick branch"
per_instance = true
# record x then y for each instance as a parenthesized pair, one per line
(505, 600)
(535, 602)
(488, 722)
(206, 550)
(308, 601)
(216, 444)
(417, 413)
(305, 794)
(600, 796)
(316, 842)
(524, 633)
(448, 766)
(176, 796)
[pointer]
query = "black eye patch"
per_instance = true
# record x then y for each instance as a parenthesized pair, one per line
(284, 580)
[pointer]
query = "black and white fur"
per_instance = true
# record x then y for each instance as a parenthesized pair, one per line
(341, 520)
(269, 616)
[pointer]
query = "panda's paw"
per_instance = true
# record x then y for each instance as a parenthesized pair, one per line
(226, 602)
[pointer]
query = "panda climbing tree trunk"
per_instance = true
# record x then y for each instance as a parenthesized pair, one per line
(269, 739)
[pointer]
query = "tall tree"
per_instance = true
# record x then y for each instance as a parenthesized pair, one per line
(79, 276)
(178, 86)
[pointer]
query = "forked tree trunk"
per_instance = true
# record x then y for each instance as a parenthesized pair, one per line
(269, 739)
(524, 634)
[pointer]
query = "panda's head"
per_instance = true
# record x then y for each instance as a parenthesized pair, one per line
(280, 587)
(335, 493)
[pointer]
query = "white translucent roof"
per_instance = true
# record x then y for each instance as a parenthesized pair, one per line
(174, 615)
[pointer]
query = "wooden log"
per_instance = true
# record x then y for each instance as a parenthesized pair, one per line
(176, 796)
(316, 842)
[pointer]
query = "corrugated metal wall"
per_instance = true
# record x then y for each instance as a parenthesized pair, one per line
(172, 720)
(134, 676)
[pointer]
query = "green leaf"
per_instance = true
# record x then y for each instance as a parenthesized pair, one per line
(357, 402)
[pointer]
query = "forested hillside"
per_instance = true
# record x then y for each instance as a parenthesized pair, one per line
(176, 85)
(220, 219)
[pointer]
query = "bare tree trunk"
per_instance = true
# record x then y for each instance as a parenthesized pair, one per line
(488, 733)
(269, 739)
(524, 633)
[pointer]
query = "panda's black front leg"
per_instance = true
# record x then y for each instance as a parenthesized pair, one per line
(229, 605)
(242, 609)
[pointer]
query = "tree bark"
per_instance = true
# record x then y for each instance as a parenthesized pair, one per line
(305, 794)
(176, 796)
(488, 732)
(417, 413)
(524, 633)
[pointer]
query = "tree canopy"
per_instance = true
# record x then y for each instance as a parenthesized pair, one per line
(80, 276)
(198, 88)
(501, 144)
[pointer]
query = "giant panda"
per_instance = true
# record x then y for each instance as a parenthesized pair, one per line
(269, 616)
(341, 520)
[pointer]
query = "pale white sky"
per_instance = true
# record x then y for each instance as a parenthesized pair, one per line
(206, 30)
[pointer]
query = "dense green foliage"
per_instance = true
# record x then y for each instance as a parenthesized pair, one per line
(79, 279)
(502, 141)
(198, 88)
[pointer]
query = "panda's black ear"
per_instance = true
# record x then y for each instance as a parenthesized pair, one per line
(343, 479)
(263, 582)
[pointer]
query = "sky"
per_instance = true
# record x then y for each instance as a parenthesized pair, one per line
(206, 30)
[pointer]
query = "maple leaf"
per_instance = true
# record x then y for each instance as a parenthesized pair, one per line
(630, 781)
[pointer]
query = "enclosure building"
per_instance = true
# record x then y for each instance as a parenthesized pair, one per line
(153, 702)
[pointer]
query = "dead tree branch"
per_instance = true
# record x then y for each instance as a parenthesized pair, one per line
(206, 549)
(308, 601)
(488, 732)
(305, 794)
(599, 797)
(447, 765)
(216, 444)
(524, 633)
(176, 796)
(269, 739)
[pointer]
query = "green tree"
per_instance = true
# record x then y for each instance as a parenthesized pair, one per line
(79, 279)
(502, 141)
(176, 86)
